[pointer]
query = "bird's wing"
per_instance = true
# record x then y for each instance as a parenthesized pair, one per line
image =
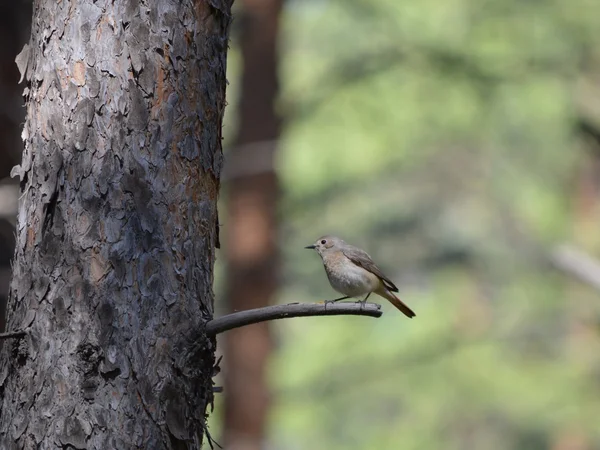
(362, 259)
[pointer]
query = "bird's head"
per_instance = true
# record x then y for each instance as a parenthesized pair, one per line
(326, 244)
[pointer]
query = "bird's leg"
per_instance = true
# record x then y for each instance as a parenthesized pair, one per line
(363, 302)
(336, 300)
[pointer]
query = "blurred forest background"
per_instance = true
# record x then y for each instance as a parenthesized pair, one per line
(458, 142)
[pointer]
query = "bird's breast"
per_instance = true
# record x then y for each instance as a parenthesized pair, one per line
(348, 278)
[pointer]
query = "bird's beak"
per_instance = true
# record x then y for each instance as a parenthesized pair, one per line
(310, 247)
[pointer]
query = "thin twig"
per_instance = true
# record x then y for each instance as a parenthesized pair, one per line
(250, 316)
(577, 263)
(13, 334)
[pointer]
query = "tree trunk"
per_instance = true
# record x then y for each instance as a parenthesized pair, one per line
(14, 31)
(117, 226)
(15, 18)
(251, 227)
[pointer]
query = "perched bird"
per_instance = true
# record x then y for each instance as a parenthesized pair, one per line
(352, 272)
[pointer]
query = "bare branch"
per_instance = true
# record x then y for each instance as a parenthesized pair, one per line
(13, 334)
(250, 316)
(578, 264)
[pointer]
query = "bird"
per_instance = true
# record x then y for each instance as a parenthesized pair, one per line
(352, 272)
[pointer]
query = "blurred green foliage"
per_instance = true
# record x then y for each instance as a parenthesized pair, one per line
(445, 138)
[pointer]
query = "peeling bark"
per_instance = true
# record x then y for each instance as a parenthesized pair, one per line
(14, 30)
(116, 229)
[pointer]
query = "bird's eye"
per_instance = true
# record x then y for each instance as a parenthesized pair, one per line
(323, 242)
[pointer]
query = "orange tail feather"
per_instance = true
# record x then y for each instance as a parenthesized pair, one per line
(397, 303)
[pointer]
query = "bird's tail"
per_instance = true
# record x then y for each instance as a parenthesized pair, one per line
(397, 303)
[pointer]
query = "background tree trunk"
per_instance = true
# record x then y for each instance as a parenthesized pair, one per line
(117, 226)
(251, 228)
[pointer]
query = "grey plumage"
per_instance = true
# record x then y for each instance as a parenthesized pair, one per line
(352, 272)
(363, 259)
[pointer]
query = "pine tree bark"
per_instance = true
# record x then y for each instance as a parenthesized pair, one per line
(117, 226)
(14, 31)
